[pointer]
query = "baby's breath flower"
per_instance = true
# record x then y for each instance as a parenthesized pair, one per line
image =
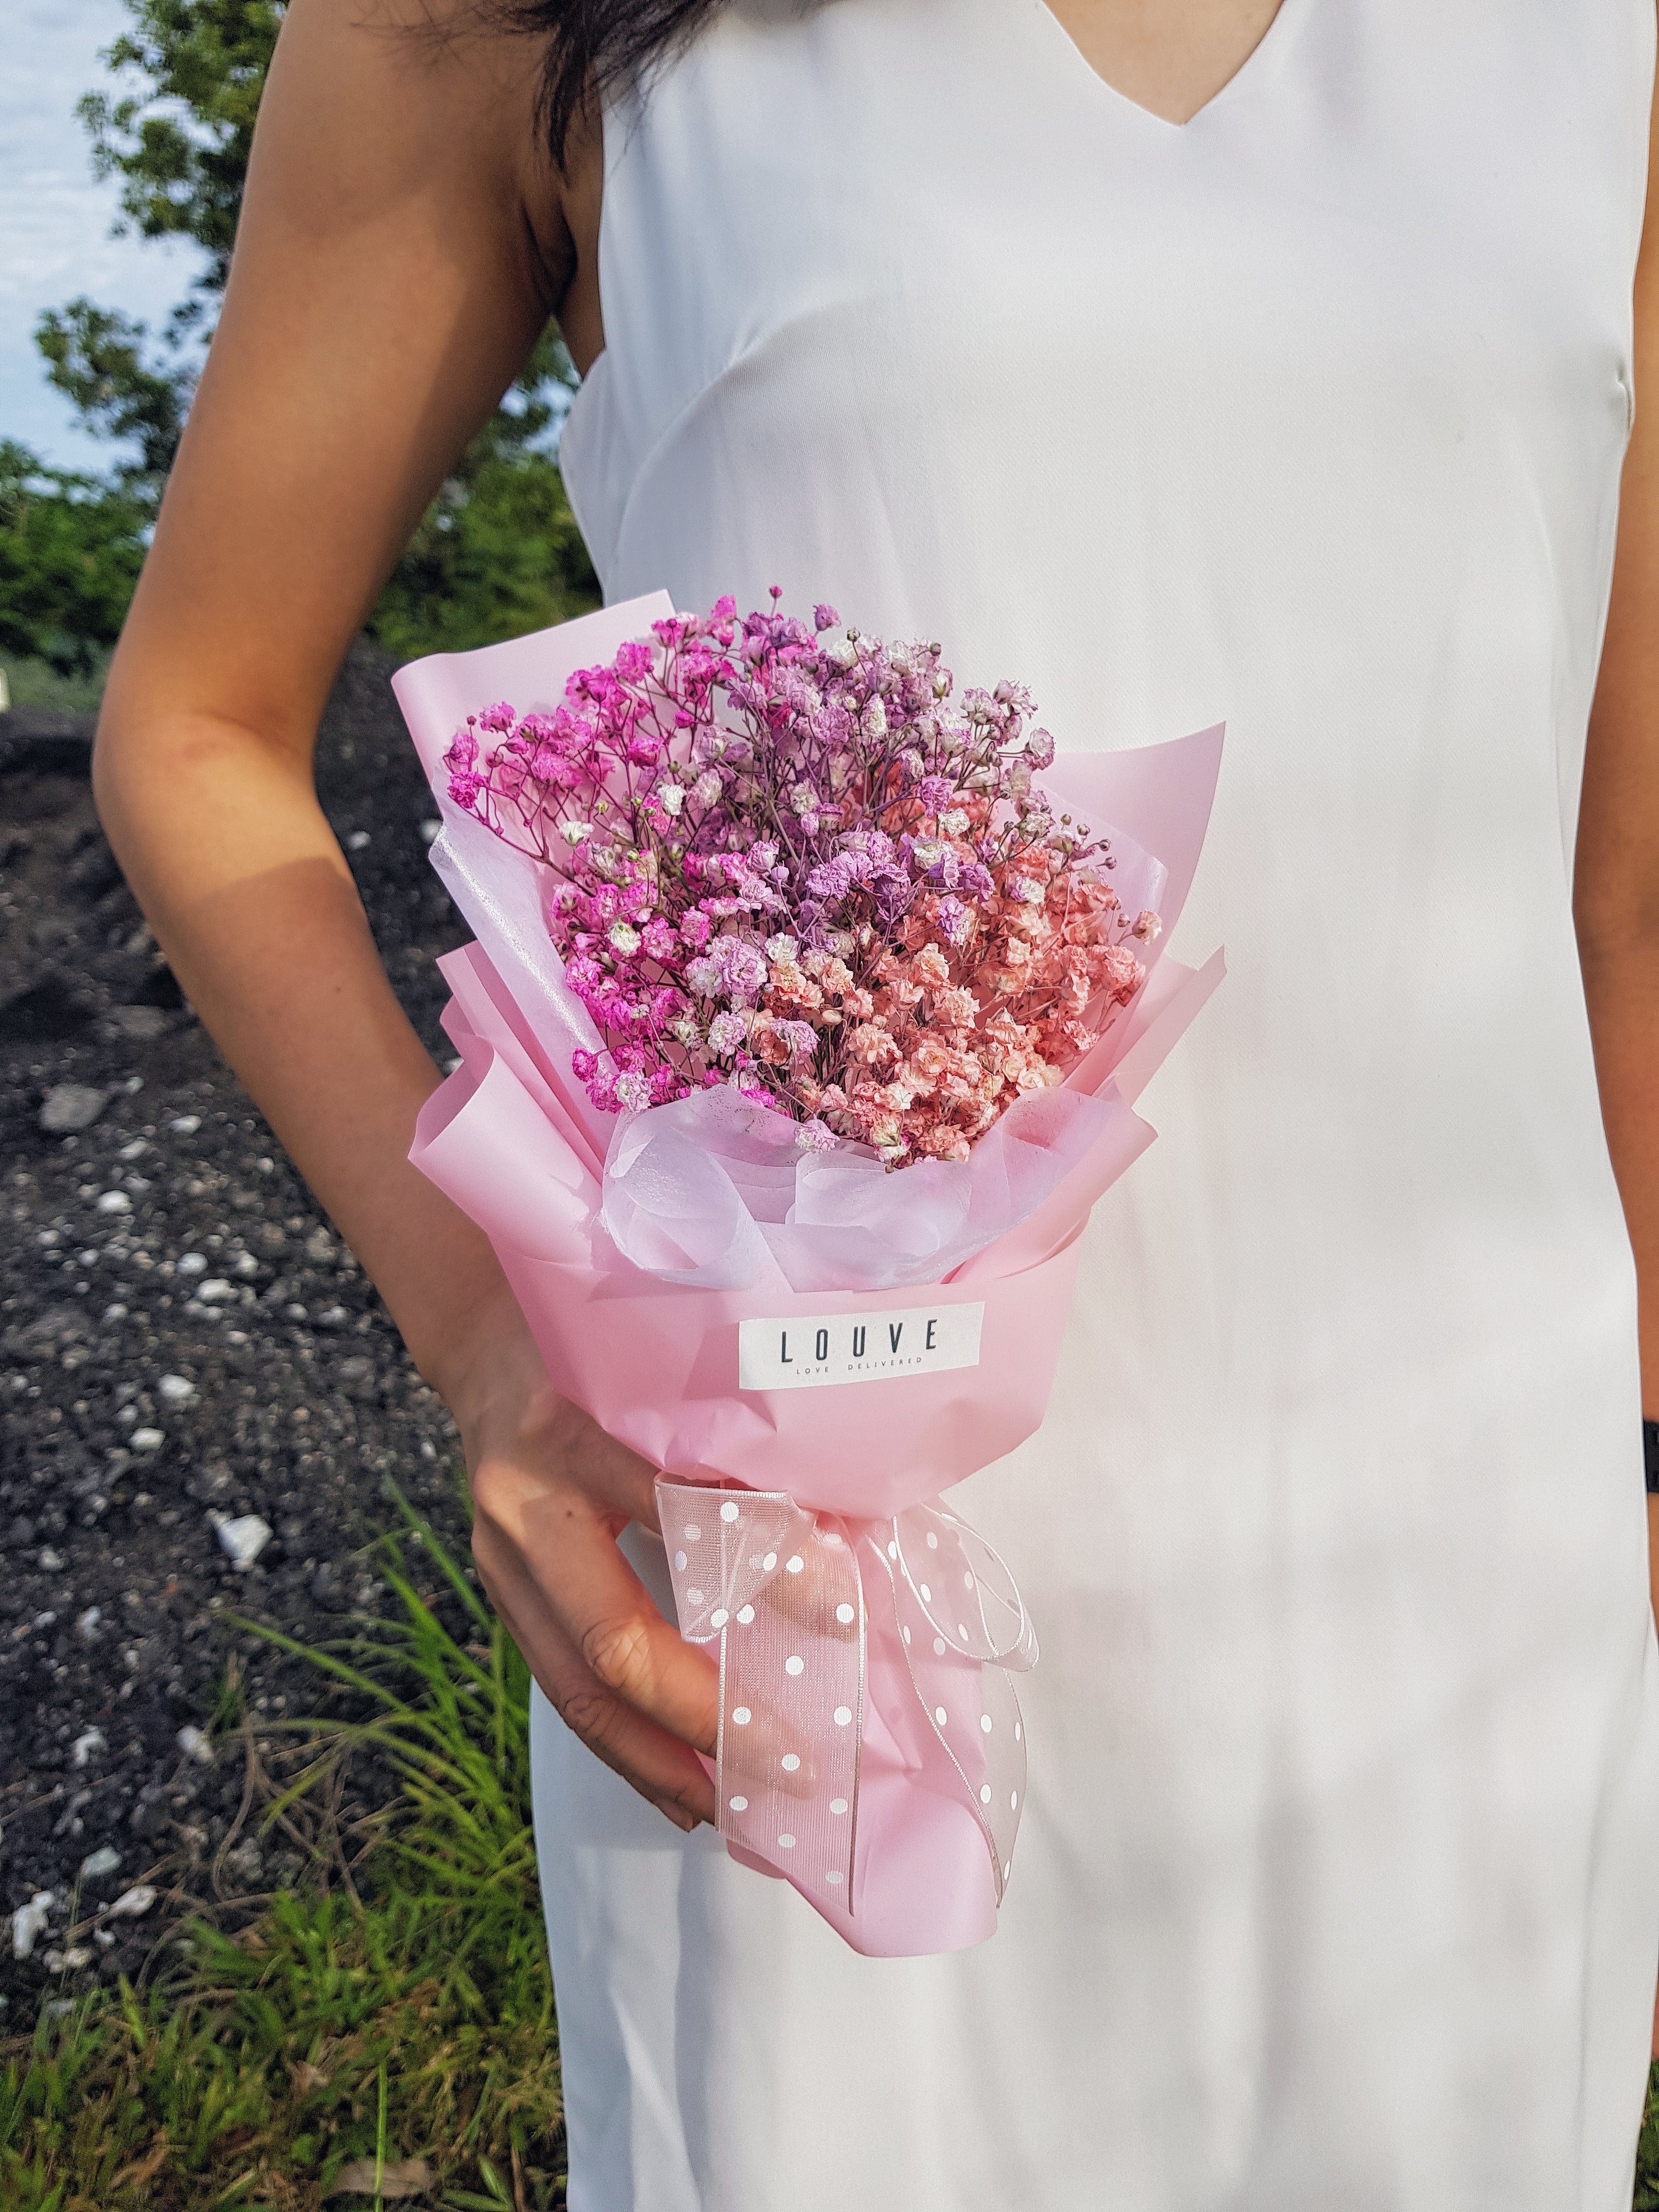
(874, 982)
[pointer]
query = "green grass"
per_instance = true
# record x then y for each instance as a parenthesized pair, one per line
(36, 683)
(396, 2008)
(1647, 2151)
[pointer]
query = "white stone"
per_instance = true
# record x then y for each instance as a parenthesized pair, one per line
(28, 1922)
(98, 1863)
(185, 1125)
(114, 1202)
(218, 1292)
(133, 1904)
(87, 1747)
(194, 1745)
(192, 1263)
(69, 1107)
(243, 1539)
(175, 1390)
(147, 1440)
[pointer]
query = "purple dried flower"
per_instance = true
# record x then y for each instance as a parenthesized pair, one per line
(727, 1033)
(955, 920)
(831, 880)
(740, 966)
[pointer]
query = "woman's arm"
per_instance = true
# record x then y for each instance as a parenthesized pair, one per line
(1616, 878)
(1616, 881)
(402, 241)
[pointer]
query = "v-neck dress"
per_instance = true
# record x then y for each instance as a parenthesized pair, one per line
(1337, 1889)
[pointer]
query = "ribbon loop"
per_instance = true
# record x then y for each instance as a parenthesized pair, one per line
(964, 1588)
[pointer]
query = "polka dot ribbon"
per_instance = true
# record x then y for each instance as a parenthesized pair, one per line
(813, 1614)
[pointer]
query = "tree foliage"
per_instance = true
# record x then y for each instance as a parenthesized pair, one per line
(70, 550)
(179, 133)
(97, 358)
(497, 552)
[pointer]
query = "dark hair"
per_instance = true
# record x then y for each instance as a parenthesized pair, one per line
(594, 46)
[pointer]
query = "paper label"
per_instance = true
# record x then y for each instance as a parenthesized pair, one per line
(802, 1352)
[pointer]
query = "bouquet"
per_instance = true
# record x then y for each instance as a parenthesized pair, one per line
(807, 1008)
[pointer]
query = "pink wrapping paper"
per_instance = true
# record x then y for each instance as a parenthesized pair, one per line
(804, 1436)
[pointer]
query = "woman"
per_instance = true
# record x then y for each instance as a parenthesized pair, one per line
(1228, 359)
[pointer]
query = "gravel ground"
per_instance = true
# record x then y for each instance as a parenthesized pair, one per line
(189, 1358)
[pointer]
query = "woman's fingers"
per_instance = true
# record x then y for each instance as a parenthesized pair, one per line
(620, 1675)
(551, 1493)
(607, 1615)
(656, 1763)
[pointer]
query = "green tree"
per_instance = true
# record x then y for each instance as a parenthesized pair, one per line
(498, 551)
(179, 133)
(97, 359)
(70, 550)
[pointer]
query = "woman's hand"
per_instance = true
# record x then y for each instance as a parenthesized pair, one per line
(551, 1492)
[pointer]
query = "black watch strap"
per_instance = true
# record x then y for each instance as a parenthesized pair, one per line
(1651, 1454)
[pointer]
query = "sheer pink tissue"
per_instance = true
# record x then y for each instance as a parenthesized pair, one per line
(786, 1088)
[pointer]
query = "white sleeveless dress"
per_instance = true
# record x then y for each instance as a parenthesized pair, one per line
(1339, 1884)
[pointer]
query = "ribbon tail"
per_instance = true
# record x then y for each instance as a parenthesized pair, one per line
(780, 1587)
(969, 1702)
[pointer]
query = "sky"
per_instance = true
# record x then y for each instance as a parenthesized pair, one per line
(55, 222)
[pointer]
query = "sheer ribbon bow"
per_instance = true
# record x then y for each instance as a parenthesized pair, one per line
(850, 1651)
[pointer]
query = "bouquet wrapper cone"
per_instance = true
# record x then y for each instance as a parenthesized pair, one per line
(871, 1748)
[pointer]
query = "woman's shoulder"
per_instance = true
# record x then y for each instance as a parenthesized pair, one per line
(428, 97)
